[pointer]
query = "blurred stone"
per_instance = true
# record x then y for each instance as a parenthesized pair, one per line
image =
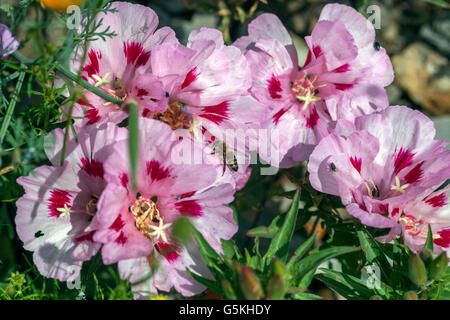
(438, 32)
(389, 35)
(442, 125)
(394, 94)
(423, 73)
(293, 6)
(199, 20)
(299, 22)
(327, 294)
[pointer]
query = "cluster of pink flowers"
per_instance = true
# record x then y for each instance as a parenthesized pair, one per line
(333, 111)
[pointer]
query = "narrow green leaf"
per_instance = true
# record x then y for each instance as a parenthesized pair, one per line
(213, 285)
(373, 251)
(355, 284)
(345, 291)
(270, 231)
(12, 106)
(312, 261)
(442, 3)
(228, 249)
(281, 242)
(301, 251)
(306, 296)
(429, 243)
(210, 256)
(133, 137)
(307, 279)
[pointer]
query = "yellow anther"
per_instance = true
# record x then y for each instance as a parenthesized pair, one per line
(196, 127)
(398, 187)
(369, 192)
(101, 81)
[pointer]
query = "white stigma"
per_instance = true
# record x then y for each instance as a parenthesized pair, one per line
(159, 231)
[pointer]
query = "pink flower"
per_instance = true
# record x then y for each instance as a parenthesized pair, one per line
(8, 43)
(207, 84)
(432, 209)
(342, 78)
(56, 217)
(136, 224)
(390, 158)
(120, 65)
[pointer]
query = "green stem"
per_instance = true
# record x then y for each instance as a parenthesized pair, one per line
(11, 107)
(75, 79)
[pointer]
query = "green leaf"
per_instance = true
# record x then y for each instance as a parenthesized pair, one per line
(307, 279)
(442, 3)
(235, 214)
(270, 231)
(362, 5)
(204, 246)
(209, 255)
(342, 289)
(228, 248)
(182, 230)
(311, 262)
(280, 243)
(11, 107)
(301, 251)
(306, 296)
(373, 251)
(355, 288)
(429, 243)
(213, 285)
(133, 138)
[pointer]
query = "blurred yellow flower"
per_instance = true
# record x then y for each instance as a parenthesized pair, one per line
(158, 298)
(59, 5)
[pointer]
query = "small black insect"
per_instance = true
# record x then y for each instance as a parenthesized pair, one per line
(38, 234)
(167, 94)
(377, 46)
(316, 91)
(333, 167)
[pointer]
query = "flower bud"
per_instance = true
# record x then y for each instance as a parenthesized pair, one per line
(411, 295)
(438, 266)
(277, 267)
(276, 288)
(228, 290)
(59, 5)
(237, 266)
(250, 284)
(426, 255)
(416, 270)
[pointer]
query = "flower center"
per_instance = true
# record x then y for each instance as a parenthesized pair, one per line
(148, 219)
(91, 206)
(173, 116)
(372, 189)
(116, 88)
(413, 226)
(306, 89)
(398, 186)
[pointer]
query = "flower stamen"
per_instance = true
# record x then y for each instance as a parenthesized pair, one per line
(306, 91)
(101, 81)
(398, 187)
(65, 211)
